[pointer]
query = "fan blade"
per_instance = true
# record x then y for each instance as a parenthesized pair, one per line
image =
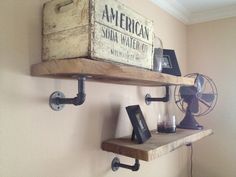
(194, 105)
(199, 81)
(208, 97)
(203, 102)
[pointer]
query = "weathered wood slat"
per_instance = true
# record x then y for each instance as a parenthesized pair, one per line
(98, 29)
(159, 144)
(105, 72)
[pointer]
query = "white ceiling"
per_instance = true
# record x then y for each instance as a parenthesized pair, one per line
(196, 11)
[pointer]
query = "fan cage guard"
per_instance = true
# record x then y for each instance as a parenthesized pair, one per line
(213, 90)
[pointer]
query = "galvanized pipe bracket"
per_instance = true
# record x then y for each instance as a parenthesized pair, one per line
(115, 165)
(57, 99)
(166, 98)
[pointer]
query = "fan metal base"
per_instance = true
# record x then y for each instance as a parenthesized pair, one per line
(189, 122)
(196, 127)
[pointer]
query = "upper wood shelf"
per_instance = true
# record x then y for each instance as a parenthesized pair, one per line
(105, 72)
(158, 145)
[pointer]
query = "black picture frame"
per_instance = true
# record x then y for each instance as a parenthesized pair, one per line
(139, 124)
(169, 63)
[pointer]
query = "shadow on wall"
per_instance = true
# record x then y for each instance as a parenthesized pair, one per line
(101, 124)
(89, 128)
(203, 170)
(110, 122)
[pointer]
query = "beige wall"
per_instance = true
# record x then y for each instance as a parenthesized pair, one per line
(38, 142)
(211, 51)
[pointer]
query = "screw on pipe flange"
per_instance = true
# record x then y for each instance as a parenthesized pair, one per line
(53, 100)
(115, 164)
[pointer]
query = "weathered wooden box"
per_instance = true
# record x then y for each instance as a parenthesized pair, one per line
(97, 29)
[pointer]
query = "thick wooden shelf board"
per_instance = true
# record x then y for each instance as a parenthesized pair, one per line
(105, 72)
(158, 145)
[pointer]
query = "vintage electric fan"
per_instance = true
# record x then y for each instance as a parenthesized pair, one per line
(196, 100)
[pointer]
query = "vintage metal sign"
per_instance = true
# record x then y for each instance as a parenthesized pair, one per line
(121, 35)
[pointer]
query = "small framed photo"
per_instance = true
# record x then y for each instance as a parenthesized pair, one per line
(169, 63)
(138, 122)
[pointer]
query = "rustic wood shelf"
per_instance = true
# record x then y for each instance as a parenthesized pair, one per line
(158, 145)
(105, 72)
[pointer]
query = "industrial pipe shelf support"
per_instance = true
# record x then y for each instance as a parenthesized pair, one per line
(115, 165)
(57, 99)
(149, 99)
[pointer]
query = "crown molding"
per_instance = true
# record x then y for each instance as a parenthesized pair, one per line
(215, 14)
(181, 13)
(175, 9)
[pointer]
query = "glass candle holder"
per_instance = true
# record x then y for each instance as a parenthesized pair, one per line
(170, 124)
(157, 54)
(160, 124)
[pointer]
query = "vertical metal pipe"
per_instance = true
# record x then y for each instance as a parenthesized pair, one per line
(81, 84)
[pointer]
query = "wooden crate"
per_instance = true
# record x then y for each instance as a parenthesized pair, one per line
(97, 29)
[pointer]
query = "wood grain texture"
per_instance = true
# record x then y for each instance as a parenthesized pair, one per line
(98, 29)
(159, 144)
(105, 72)
(55, 45)
(61, 15)
(66, 29)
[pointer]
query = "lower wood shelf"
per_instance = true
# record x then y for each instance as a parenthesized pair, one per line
(158, 145)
